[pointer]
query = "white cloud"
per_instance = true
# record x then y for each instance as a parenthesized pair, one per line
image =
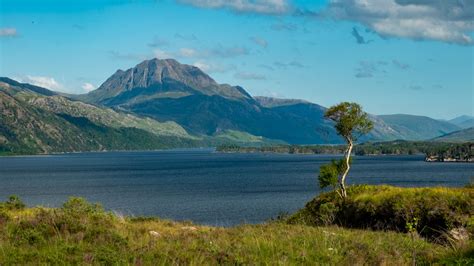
(161, 54)
(45, 82)
(249, 76)
(259, 41)
(8, 32)
(244, 6)
(445, 20)
(87, 87)
(213, 68)
(219, 51)
(188, 52)
(295, 64)
(128, 56)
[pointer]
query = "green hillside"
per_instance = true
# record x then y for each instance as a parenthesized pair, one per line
(464, 135)
(33, 122)
(418, 127)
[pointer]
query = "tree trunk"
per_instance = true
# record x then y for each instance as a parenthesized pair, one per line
(347, 158)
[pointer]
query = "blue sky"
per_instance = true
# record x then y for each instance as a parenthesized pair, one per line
(392, 56)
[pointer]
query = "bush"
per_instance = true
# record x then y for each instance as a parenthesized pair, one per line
(14, 203)
(438, 210)
(77, 219)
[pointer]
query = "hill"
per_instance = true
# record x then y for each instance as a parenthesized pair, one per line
(464, 121)
(414, 127)
(36, 120)
(463, 135)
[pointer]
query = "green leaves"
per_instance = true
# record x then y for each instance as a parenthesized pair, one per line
(329, 173)
(14, 203)
(351, 120)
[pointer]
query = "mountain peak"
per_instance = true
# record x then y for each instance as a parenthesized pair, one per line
(162, 78)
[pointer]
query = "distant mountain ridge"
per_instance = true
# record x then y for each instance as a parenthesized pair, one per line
(162, 103)
(418, 127)
(464, 121)
(166, 90)
(463, 135)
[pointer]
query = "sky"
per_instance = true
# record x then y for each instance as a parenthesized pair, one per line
(391, 56)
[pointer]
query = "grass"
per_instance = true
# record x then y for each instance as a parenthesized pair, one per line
(438, 210)
(83, 233)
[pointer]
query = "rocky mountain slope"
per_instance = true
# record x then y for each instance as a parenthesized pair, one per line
(36, 120)
(155, 79)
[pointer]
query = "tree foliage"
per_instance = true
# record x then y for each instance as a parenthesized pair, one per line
(329, 173)
(351, 121)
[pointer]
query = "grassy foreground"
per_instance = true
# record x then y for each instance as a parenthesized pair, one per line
(83, 233)
(433, 213)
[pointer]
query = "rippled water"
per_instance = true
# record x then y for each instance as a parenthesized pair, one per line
(202, 186)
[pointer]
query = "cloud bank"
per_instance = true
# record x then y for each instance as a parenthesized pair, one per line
(8, 32)
(243, 6)
(448, 21)
(45, 82)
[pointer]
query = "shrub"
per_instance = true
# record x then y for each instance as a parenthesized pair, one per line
(438, 210)
(14, 203)
(4, 217)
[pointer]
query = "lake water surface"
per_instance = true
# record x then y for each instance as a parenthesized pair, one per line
(203, 186)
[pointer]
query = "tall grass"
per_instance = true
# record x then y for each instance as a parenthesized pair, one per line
(83, 233)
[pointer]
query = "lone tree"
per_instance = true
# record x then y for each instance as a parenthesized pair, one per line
(351, 123)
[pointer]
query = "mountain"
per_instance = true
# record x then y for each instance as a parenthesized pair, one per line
(463, 135)
(36, 120)
(155, 79)
(165, 104)
(166, 90)
(464, 121)
(414, 127)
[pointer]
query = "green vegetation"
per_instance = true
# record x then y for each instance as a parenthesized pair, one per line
(106, 116)
(438, 211)
(351, 123)
(34, 120)
(456, 152)
(329, 174)
(399, 147)
(239, 138)
(83, 233)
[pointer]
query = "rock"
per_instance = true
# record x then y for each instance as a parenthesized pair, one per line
(190, 228)
(154, 234)
(459, 234)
